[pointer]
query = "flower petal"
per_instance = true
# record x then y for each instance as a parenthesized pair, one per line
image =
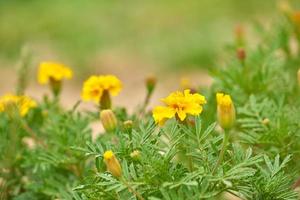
(161, 114)
(181, 114)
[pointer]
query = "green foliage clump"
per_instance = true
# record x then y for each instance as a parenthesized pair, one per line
(50, 153)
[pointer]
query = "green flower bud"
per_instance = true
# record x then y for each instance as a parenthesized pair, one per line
(225, 111)
(128, 125)
(150, 84)
(109, 120)
(135, 155)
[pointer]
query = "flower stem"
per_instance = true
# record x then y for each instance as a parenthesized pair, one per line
(223, 149)
(131, 189)
(105, 101)
(191, 165)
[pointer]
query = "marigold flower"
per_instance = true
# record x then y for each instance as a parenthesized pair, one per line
(50, 71)
(225, 111)
(112, 163)
(53, 73)
(179, 104)
(109, 120)
(98, 88)
(22, 103)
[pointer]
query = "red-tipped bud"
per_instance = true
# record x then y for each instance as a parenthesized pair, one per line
(150, 84)
(241, 54)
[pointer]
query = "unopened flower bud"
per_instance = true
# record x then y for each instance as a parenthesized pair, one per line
(150, 84)
(225, 111)
(25, 180)
(128, 125)
(112, 164)
(266, 121)
(241, 54)
(109, 120)
(135, 155)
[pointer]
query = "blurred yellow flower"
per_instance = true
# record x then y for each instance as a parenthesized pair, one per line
(112, 163)
(185, 83)
(284, 7)
(296, 17)
(50, 71)
(22, 103)
(179, 104)
(95, 86)
(225, 111)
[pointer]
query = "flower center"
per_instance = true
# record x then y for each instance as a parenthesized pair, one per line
(95, 92)
(178, 106)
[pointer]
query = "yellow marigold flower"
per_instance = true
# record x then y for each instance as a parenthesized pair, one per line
(112, 163)
(96, 86)
(225, 111)
(179, 104)
(22, 103)
(50, 71)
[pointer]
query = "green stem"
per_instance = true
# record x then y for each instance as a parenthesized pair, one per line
(56, 89)
(223, 149)
(131, 189)
(105, 101)
(145, 104)
(191, 165)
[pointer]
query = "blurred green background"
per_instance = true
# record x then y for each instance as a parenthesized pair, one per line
(167, 33)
